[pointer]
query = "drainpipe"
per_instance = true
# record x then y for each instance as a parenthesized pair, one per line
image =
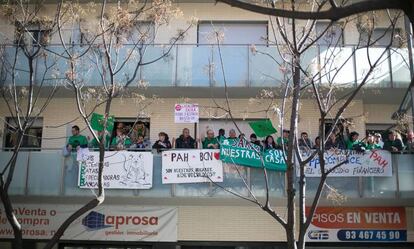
(409, 34)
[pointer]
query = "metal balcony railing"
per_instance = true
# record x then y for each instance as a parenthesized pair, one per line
(48, 173)
(200, 66)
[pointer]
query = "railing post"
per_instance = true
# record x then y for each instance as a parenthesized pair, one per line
(395, 169)
(26, 190)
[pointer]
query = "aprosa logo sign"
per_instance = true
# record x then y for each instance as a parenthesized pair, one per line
(96, 221)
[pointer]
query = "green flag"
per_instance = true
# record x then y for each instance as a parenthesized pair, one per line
(262, 128)
(97, 122)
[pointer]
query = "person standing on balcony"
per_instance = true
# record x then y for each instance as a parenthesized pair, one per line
(353, 143)
(163, 142)
(95, 144)
(221, 135)
(121, 141)
(269, 143)
(304, 141)
(254, 140)
(139, 129)
(334, 143)
(76, 141)
(370, 143)
(185, 141)
(284, 140)
(393, 144)
(232, 134)
(410, 142)
(210, 142)
(378, 140)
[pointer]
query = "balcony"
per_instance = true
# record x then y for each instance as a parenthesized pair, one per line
(200, 66)
(49, 174)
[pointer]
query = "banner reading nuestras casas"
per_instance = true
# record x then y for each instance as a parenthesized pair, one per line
(241, 152)
(191, 166)
(368, 163)
(122, 170)
(106, 222)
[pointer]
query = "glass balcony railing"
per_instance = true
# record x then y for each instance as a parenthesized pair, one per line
(48, 173)
(200, 65)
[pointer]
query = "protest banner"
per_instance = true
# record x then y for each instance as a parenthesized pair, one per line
(186, 113)
(122, 170)
(368, 163)
(358, 224)
(242, 152)
(106, 222)
(191, 166)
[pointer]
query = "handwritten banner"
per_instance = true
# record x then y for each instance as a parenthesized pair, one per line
(368, 163)
(358, 224)
(241, 152)
(191, 166)
(122, 170)
(186, 113)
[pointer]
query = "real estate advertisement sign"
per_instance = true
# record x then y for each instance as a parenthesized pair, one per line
(122, 170)
(191, 166)
(358, 224)
(368, 163)
(241, 152)
(106, 222)
(186, 113)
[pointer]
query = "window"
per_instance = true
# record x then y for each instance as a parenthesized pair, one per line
(236, 33)
(382, 37)
(333, 36)
(32, 139)
(32, 35)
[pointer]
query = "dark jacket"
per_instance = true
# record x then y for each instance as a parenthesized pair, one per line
(185, 143)
(397, 143)
(338, 144)
(162, 145)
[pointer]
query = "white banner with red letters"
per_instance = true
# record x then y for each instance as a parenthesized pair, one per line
(191, 166)
(186, 113)
(368, 163)
(106, 222)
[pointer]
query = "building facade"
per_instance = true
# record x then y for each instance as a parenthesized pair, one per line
(203, 215)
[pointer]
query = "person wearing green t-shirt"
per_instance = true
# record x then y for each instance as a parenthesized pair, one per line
(95, 144)
(232, 134)
(285, 139)
(352, 143)
(77, 140)
(370, 144)
(210, 142)
(121, 141)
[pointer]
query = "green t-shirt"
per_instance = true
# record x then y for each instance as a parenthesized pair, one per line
(372, 146)
(95, 143)
(350, 145)
(126, 142)
(279, 141)
(208, 141)
(78, 140)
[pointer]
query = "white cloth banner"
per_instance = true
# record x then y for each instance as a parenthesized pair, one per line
(368, 163)
(189, 166)
(106, 222)
(186, 113)
(122, 170)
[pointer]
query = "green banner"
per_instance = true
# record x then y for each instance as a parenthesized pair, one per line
(241, 152)
(97, 122)
(262, 128)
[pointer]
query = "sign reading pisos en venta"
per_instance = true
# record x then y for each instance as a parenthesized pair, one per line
(107, 222)
(358, 224)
